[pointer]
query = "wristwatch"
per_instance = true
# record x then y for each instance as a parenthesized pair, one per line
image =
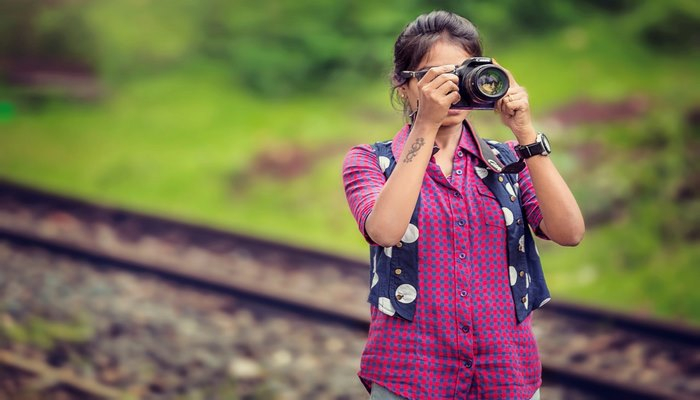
(540, 147)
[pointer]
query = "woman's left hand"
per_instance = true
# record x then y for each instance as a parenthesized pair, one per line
(514, 109)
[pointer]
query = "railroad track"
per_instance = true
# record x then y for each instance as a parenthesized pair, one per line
(146, 337)
(608, 354)
(38, 377)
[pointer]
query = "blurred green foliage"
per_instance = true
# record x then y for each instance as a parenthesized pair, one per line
(280, 47)
(238, 113)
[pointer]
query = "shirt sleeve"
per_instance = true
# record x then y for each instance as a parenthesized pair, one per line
(363, 180)
(528, 199)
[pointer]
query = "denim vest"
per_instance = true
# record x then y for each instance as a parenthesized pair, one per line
(395, 294)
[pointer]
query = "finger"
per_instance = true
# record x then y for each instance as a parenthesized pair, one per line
(447, 87)
(513, 107)
(502, 107)
(507, 104)
(516, 92)
(434, 72)
(438, 85)
(510, 107)
(505, 110)
(454, 97)
(519, 105)
(439, 81)
(497, 108)
(513, 97)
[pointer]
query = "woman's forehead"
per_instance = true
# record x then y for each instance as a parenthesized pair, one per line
(443, 52)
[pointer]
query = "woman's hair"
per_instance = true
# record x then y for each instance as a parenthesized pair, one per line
(419, 36)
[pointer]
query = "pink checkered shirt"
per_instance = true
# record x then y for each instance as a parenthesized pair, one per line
(464, 342)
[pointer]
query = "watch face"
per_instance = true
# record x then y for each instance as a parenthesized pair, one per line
(545, 143)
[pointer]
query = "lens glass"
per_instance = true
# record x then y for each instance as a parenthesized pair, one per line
(492, 82)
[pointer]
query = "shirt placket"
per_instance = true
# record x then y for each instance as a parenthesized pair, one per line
(462, 271)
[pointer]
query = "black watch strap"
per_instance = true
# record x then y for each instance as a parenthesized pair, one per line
(540, 147)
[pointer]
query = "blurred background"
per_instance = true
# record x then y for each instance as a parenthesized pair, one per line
(237, 114)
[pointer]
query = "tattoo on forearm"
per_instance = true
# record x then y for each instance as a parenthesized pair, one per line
(414, 150)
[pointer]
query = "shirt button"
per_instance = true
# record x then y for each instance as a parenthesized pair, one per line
(465, 328)
(461, 222)
(462, 256)
(463, 293)
(519, 221)
(457, 194)
(399, 296)
(468, 363)
(522, 273)
(500, 178)
(399, 244)
(459, 153)
(512, 198)
(523, 299)
(458, 172)
(397, 271)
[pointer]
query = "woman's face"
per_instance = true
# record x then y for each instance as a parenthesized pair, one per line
(443, 52)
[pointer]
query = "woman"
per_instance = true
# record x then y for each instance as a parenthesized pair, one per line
(454, 269)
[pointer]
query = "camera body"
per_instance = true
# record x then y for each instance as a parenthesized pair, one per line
(481, 84)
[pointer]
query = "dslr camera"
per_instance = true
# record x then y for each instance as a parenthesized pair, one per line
(481, 84)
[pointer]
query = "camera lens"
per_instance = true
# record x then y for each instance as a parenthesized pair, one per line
(492, 82)
(486, 83)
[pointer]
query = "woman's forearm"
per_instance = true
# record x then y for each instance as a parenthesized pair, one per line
(562, 220)
(392, 210)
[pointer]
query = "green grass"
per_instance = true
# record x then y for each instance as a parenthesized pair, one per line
(172, 143)
(178, 143)
(645, 278)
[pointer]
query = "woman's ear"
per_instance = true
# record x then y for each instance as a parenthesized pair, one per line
(402, 92)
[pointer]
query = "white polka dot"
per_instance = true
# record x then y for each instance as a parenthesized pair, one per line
(508, 215)
(375, 276)
(521, 244)
(510, 190)
(513, 275)
(481, 172)
(527, 280)
(385, 306)
(411, 234)
(526, 301)
(406, 293)
(516, 186)
(387, 251)
(384, 163)
(495, 152)
(545, 301)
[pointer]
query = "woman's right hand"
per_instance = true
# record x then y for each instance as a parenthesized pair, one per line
(438, 90)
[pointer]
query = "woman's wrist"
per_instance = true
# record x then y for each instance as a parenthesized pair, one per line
(526, 135)
(426, 127)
